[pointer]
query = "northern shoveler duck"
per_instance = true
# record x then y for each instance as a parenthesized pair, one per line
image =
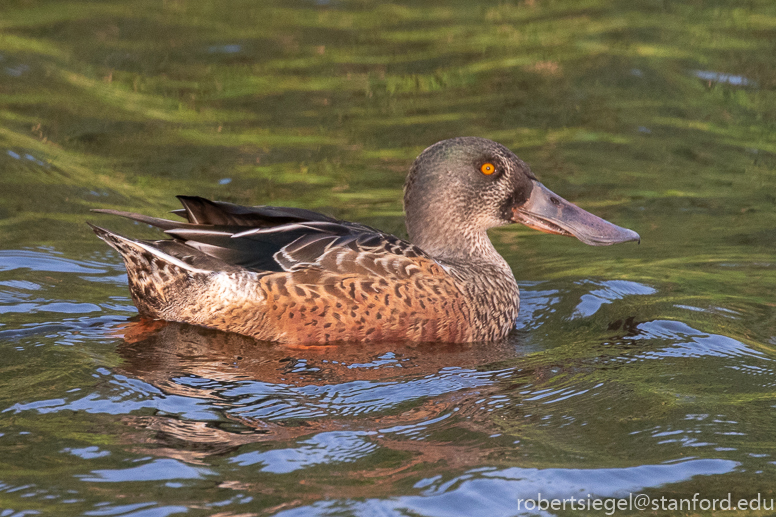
(296, 276)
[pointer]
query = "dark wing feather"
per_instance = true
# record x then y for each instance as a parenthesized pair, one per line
(164, 224)
(259, 249)
(198, 210)
(265, 238)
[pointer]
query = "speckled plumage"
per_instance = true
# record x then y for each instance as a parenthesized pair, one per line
(296, 276)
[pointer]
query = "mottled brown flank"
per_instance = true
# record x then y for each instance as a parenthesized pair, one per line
(427, 306)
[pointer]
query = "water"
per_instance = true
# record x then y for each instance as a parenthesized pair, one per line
(633, 370)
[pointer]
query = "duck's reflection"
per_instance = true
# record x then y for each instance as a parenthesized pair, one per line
(158, 350)
(318, 404)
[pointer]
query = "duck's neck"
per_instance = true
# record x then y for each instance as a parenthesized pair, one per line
(451, 240)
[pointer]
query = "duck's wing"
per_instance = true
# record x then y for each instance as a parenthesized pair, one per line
(198, 210)
(266, 238)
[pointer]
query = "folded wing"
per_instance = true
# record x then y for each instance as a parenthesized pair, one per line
(274, 239)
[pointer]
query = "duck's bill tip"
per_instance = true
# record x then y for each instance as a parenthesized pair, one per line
(550, 213)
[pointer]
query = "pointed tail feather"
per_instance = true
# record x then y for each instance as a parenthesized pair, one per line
(164, 224)
(156, 279)
(130, 248)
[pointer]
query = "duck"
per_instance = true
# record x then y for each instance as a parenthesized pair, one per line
(296, 276)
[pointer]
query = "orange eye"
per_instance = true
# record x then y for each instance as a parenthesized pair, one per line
(488, 168)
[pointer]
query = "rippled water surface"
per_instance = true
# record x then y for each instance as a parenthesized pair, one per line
(636, 369)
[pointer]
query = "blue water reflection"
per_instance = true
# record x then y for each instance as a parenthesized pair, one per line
(138, 510)
(735, 80)
(606, 293)
(496, 492)
(46, 261)
(156, 470)
(686, 341)
(328, 448)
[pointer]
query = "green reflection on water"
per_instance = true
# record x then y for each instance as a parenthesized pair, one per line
(125, 104)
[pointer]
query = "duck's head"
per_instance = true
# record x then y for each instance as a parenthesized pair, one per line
(459, 188)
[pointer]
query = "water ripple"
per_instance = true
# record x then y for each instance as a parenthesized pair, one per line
(609, 291)
(495, 492)
(327, 447)
(48, 261)
(275, 402)
(689, 342)
(157, 470)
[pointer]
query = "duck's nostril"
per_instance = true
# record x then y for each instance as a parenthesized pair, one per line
(554, 200)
